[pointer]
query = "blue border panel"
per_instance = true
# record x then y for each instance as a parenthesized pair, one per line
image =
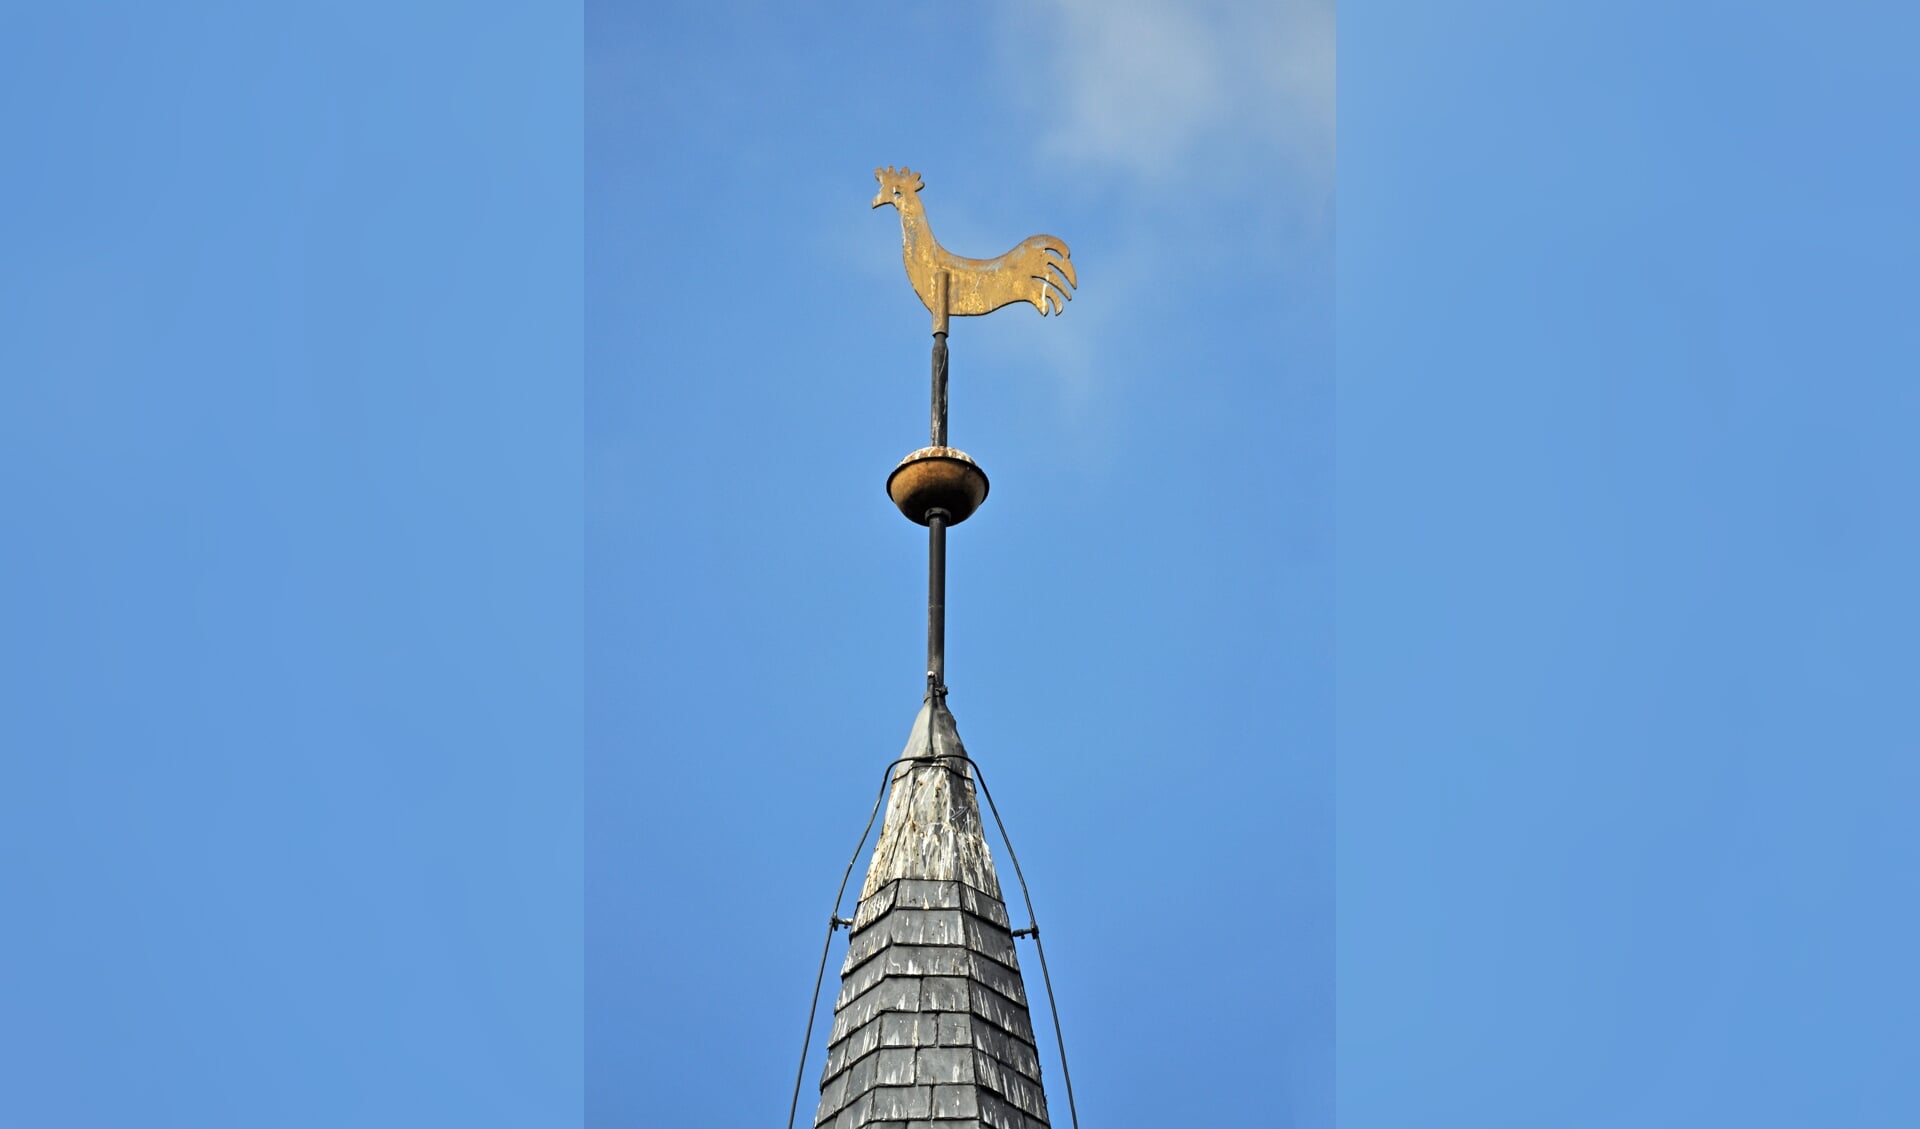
(290, 664)
(1627, 605)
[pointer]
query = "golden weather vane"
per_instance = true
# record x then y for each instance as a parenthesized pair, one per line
(939, 486)
(1035, 271)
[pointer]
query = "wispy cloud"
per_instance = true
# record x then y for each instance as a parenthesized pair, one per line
(1197, 143)
(1161, 92)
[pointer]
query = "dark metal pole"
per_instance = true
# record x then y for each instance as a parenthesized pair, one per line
(937, 519)
(940, 359)
(940, 389)
(937, 598)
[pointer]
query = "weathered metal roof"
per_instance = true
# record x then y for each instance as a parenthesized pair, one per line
(931, 1026)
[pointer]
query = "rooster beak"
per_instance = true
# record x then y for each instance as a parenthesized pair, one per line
(880, 198)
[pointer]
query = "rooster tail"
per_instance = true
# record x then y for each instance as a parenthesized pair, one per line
(1056, 277)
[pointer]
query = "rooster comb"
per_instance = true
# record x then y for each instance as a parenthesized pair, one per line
(903, 174)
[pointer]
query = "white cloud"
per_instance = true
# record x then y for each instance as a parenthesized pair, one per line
(1200, 139)
(1161, 91)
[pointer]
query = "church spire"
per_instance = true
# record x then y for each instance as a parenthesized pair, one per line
(932, 1023)
(931, 1026)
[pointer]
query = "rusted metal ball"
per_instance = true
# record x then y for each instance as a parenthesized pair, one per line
(937, 478)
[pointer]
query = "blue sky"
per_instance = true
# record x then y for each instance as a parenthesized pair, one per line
(1447, 658)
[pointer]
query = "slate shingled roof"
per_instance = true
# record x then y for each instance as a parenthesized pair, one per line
(930, 1030)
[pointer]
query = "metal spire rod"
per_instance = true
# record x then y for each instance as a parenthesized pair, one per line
(937, 518)
(940, 365)
(937, 601)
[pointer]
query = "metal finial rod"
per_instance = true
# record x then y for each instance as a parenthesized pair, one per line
(937, 517)
(937, 599)
(939, 414)
(941, 282)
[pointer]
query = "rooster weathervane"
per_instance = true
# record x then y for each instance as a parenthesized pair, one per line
(940, 486)
(951, 284)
